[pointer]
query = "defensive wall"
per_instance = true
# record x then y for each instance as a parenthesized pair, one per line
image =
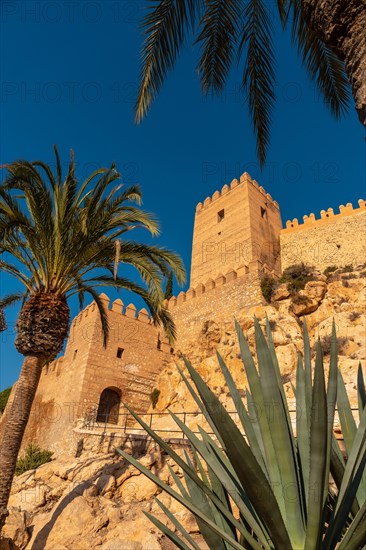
(333, 239)
(71, 386)
(220, 300)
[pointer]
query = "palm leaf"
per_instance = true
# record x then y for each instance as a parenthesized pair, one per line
(219, 29)
(258, 75)
(164, 27)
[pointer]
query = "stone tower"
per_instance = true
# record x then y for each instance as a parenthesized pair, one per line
(235, 226)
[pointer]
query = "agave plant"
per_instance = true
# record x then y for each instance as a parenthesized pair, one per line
(274, 487)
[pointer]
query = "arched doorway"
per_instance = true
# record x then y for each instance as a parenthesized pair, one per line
(108, 408)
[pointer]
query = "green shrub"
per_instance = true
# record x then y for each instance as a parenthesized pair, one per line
(268, 284)
(354, 315)
(4, 396)
(347, 268)
(33, 457)
(330, 269)
(296, 276)
(326, 343)
(300, 299)
(154, 397)
(269, 489)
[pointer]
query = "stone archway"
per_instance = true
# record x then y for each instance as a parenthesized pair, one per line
(109, 404)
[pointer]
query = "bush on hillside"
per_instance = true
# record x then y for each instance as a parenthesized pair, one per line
(4, 396)
(268, 284)
(296, 276)
(33, 457)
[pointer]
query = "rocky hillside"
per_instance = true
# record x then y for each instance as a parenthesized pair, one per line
(338, 295)
(97, 501)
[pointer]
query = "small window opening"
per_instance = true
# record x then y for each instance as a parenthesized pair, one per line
(75, 354)
(263, 212)
(158, 344)
(120, 352)
(220, 215)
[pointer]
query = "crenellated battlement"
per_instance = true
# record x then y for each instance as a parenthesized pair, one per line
(245, 179)
(326, 216)
(117, 306)
(243, 273)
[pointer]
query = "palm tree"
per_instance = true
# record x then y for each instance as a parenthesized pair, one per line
(329, 35)
(60, 239)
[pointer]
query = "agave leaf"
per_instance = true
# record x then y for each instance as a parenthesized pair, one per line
(243, 415)
(185, 502)
(354, 458)
(346, 419)
(308, 375)
(337, 463)
(254, 417)
(177, 524)
(280, 430)
(277, 370)
(350, 483)
(258, 403)
(219, 489)
(355, 536)
(361, 391)
(318, 441)
(302, 423)
(331, 403)
(228, 477)
(164, 529)
(199, 402)
(197, 495)
(244, 463)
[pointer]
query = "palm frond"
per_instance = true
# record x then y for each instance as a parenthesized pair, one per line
(10, 299)
(322, 65)
(220, 26)
(258, 76)
(164, 27)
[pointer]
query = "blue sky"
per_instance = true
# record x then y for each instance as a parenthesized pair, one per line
(69, 73)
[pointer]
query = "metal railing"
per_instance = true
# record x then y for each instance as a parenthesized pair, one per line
(126, 423)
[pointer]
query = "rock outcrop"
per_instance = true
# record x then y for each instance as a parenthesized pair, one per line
(98, 500)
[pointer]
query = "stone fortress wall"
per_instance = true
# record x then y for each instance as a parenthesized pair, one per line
(71, 386)
(333, 239)
(237, 237)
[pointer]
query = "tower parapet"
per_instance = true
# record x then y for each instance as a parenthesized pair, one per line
(235, 225)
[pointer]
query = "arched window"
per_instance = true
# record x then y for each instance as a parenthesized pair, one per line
(108, 408)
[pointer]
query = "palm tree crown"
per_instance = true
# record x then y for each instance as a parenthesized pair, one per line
(67, 239)
(236, 29)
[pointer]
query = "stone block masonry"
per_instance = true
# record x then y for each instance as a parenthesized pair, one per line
(235, 226)
(333, 239)
(71, 387)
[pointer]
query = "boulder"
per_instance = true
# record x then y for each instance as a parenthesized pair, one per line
(315, 290)
(15, 528)
(280, 293)
(304, 305)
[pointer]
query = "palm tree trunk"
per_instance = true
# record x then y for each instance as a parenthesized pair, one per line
(341, 25)
(15, 423)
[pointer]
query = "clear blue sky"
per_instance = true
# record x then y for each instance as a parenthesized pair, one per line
(69, 74)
